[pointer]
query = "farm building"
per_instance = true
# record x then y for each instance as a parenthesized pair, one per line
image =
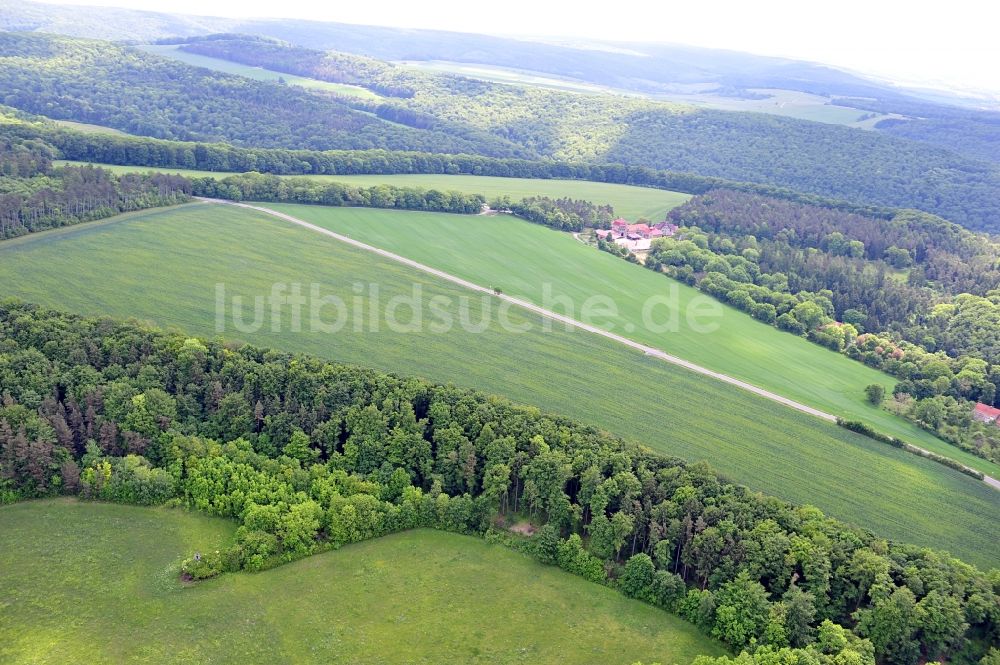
(620, 228)
(636, 237)
(665, 229)
(985, 413)
(639, 230)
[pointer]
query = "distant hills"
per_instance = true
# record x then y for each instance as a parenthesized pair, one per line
(676, 108)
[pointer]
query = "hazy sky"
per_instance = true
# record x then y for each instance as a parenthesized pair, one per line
(953, 44)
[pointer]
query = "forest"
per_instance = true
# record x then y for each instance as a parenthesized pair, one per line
(135, 92)
(309, 455)
(34, 196)
(71, 79)
(972, 132)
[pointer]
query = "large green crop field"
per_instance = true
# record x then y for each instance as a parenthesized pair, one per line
(628, 201)
(523, 258)
(164, 265)
(110, 576)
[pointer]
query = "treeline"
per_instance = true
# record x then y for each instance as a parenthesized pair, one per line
(870, 432)
(34, 196)
(320, 454)
(261, 187)
(563, 214)
(88, 193)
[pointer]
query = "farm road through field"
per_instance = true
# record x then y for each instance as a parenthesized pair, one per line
(555, 316)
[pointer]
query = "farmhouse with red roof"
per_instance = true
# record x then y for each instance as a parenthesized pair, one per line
(985, 413)
(636, 237)
(640, 230)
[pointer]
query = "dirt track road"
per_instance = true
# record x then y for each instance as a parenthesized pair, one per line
(555, 316)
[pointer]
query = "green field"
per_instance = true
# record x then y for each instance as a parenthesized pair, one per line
(522, 258)
(111, 594)
(163, 266)
(257, 73)
(628, 201)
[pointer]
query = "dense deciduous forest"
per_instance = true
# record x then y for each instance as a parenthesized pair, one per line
(75, 79)
(127, 89)
(963, 130)
(932, 251)
(307, 455)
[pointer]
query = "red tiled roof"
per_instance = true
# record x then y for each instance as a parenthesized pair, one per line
(987, 411)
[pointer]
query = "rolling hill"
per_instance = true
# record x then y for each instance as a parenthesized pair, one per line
(712, 77)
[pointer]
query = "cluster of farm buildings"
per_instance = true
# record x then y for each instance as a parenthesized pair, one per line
(987, 414)
(636, 237)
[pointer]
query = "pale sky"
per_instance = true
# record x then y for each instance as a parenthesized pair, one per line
(955, 45)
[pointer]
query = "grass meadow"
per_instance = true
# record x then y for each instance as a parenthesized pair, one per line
(163, 266)
(83, 581)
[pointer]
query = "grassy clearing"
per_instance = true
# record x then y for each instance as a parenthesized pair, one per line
(163, 266)
(523, 258)
(256, 73)
(112, 595)
(87, 128)
(628, 201)
(789, 103)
